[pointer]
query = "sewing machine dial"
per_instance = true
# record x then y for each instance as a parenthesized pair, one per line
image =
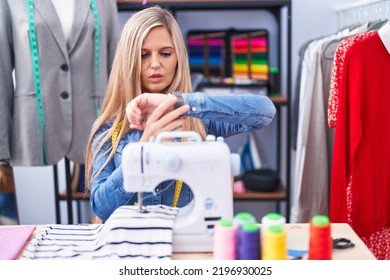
(172, 162)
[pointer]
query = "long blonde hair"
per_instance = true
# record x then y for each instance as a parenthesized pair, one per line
(124, 82)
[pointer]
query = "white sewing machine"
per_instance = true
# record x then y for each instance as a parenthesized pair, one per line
(206, 167)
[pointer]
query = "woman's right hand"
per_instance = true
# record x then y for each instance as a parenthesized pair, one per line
(161, 117)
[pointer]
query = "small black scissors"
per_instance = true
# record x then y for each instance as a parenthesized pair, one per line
(342, 243)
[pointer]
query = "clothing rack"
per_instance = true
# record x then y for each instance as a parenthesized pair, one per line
(363, 11)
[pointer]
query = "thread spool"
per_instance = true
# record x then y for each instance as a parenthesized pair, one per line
(225, 239)
(274, 243)
(248, 241)
(272, 218)
(243, 218)
(320, 240)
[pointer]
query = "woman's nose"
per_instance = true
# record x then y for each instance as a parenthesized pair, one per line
(155, 61)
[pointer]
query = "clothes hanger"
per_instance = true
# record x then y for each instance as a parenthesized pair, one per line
(330, 47)
(376, 25)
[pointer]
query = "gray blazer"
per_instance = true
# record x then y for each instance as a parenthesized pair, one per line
(69, 93)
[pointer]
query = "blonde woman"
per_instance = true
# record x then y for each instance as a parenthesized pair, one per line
(151, 61)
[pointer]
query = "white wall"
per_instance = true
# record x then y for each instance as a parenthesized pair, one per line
(34, 185)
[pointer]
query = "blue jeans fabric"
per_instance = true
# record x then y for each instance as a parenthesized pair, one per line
(222, 114)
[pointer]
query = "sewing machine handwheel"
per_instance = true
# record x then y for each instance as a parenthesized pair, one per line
(172, 162)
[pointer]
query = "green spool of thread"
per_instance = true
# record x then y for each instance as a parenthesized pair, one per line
(243, 218)
(272, 218)
(250, 227)
(320, 220)
(225, 222)
(275, 229)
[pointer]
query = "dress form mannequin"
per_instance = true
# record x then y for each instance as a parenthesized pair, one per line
(65, 12)
(70, 89)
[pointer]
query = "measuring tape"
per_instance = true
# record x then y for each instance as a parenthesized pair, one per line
(97, 45)
(37, 77)
(179, 184)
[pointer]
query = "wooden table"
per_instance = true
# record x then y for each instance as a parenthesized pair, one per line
(297, 239)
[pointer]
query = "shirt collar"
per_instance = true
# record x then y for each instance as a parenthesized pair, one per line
(384, 34)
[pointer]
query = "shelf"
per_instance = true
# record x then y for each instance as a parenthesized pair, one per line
(247, 195)
(179, 2)
(278, 194)
(279, 100)
(75, 196)
(263, 3)
(205, 4)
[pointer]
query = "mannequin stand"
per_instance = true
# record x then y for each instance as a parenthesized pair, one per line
(68, 195)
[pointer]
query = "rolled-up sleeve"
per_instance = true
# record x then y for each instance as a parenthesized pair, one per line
(241, 112)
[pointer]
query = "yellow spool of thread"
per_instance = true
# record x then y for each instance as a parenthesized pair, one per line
(274, 243)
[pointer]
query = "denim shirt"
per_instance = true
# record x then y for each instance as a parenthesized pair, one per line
(222, 115)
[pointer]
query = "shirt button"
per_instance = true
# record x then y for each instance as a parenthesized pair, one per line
(64, 95)
(64, 67)
(193, 109)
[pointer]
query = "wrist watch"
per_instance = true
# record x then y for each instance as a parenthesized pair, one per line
(180, 99)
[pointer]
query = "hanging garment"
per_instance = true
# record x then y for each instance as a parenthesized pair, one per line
(127, 234)
(360, 184)
(314, 137)
(70, 92)
(311, 180)
(337, 71)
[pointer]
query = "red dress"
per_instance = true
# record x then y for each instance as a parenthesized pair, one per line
(360, 182)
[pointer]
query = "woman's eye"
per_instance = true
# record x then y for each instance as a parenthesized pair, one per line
(144, 55)
(165, 54)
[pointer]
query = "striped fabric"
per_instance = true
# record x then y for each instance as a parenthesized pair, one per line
(127, 234)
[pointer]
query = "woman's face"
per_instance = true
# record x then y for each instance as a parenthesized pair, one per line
(159, 61)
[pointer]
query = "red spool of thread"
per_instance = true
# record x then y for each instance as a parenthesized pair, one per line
(320, 244)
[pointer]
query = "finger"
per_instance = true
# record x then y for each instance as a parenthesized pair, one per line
(133, 113)
(174, 114)
(169, 121)
(136, 126)
(177, 124)
(161, 109)
(142, 101)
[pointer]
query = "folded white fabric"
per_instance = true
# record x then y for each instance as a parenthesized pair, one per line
(126, 234)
